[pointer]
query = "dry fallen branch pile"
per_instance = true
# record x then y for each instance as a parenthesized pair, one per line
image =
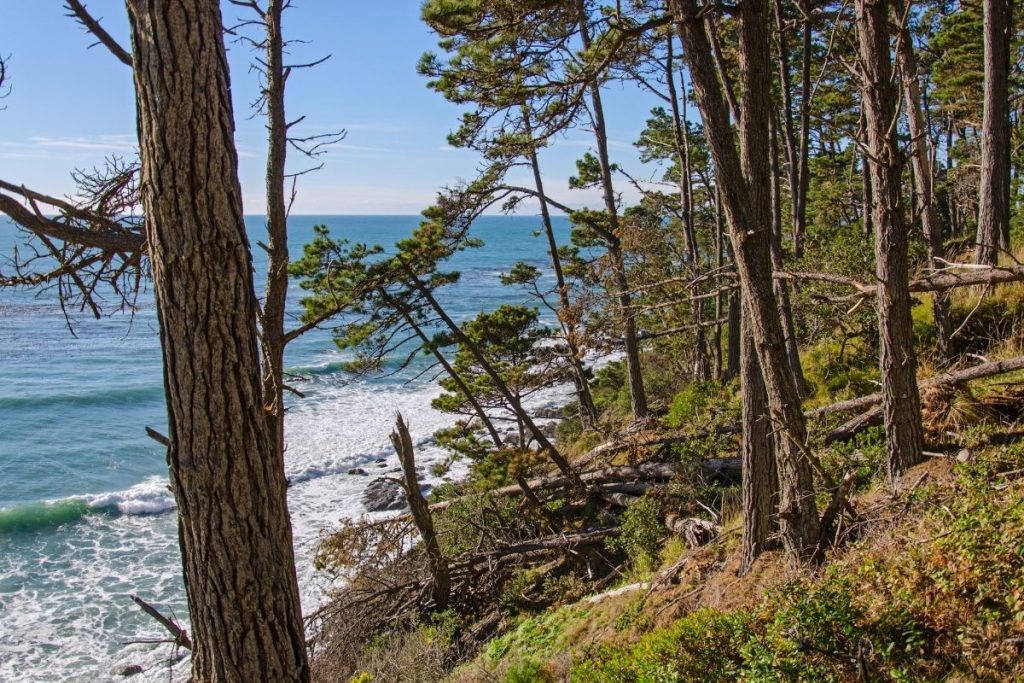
(488, 548)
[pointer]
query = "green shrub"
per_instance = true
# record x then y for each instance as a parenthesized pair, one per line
(527, 672)
(641, 533)
(610, 388)
(702, 405)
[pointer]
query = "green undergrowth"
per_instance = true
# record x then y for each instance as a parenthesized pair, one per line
(934, 591)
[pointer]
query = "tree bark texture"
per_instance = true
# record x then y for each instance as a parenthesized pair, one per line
(760, 479)
(994, 195)
(782, 288)
(925, 196)
(227, 476)
(902, 403)
(746, 194)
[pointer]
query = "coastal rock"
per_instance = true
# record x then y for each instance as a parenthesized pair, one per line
(382, 495)
(549, 412)
(358, 471)
(128, 670)
(549, 429)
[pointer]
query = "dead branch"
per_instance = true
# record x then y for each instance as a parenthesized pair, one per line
(402, 441)
(695, 531)
(941, 280)
(100, 232)
(91, 25)
(616, 475)
(848, 430)
(180, 635)
(832, 512)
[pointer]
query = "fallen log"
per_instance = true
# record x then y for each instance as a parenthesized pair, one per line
(720, 467)
(616, 592)
(854, 426)
(619, 445)
(971, 275)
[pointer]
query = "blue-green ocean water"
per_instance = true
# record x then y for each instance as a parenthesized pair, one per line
(86, 519)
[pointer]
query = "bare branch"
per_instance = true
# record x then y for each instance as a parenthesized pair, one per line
(89, 23)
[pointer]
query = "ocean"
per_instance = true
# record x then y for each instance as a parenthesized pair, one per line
(86, 519)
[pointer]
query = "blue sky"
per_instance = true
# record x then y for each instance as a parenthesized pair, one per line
(70, 106)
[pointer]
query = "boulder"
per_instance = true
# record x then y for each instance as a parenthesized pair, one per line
(382, 495)
(357, 471)
(549, 412)
(128, 670)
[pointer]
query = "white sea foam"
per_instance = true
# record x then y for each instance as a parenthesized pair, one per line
(341, 426)
(151, 497)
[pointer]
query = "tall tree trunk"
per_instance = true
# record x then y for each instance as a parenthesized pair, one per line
(760, 479)
(803, 172)
(994, 196)
(955, 226)
(226, 474)
(781, 287)
(567, 318)
(637, 393)
(681, 139)
(746, 194)
(921, 161)
(790, 144)
(701, 369)
(867, 197)
(719, 260)
(272, 314)
(733, 343)
(902, 404)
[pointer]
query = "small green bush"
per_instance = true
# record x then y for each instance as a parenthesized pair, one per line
(641, 533)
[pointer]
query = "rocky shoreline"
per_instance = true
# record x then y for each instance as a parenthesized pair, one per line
(385, 494)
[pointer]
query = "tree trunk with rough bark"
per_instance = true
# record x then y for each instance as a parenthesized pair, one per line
(898, 362)
(922, 165)
(226, 474)
(994, 195)
(746, 194)
(867, 197)
(760, 479)
(782, 288)
(276, 295)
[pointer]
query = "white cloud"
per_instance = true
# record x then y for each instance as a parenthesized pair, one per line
(349, 199)
(102, 143)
